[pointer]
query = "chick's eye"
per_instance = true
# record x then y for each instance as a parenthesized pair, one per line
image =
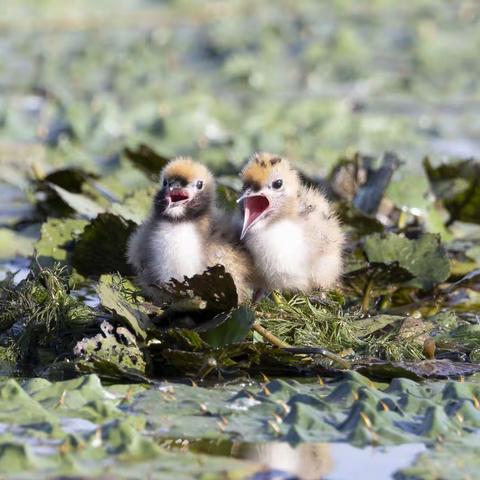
(165, 183)
(199, 184)
(277, 184)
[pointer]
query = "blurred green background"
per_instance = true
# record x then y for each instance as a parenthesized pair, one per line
(80, 80)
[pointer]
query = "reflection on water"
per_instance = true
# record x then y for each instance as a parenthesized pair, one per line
(327, 461)
(20, 267)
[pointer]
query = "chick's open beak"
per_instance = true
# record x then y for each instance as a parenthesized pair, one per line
(176, 195)
(254, 207)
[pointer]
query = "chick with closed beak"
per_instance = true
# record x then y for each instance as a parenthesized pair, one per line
(290, 230)
(186, 232)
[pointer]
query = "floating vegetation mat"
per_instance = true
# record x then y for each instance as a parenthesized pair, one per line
(99, 381)
(83, 428)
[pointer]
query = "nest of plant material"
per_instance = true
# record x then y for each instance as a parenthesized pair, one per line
(406, 306)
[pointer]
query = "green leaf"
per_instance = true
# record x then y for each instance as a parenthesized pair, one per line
(71, 179)
(13, 244)
(425, 258)
(147, 160)
(229, 328)
(56, 239)
(211, 292)
(132, 317)
(79, 203)
(458, 185)
(112, 354)
(102, 245)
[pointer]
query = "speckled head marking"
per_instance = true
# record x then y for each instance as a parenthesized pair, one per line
(270, 190)
(263, 167)
(187, 191)
(186, 169)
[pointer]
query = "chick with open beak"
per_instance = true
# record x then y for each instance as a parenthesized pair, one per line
(186, 232)
(290, 230)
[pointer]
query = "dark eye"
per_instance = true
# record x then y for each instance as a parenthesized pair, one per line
(199, 184)
(165, 183)
(277, 184)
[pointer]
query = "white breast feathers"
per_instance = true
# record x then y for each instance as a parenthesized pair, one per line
(176, 251)
(281, 250)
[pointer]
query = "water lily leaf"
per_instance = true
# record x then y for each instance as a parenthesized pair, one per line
(147, 160)
(102, 245)
(112, 300)
(425, 258)
(228, 328)
(458, 185)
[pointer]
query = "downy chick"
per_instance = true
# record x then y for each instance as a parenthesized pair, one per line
(186, 232)
(290, 229)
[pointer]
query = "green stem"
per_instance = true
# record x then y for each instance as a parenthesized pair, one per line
(269, 336)
(366, 295)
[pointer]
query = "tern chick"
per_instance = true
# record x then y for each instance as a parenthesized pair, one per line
(290, 229)
(186, 232)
